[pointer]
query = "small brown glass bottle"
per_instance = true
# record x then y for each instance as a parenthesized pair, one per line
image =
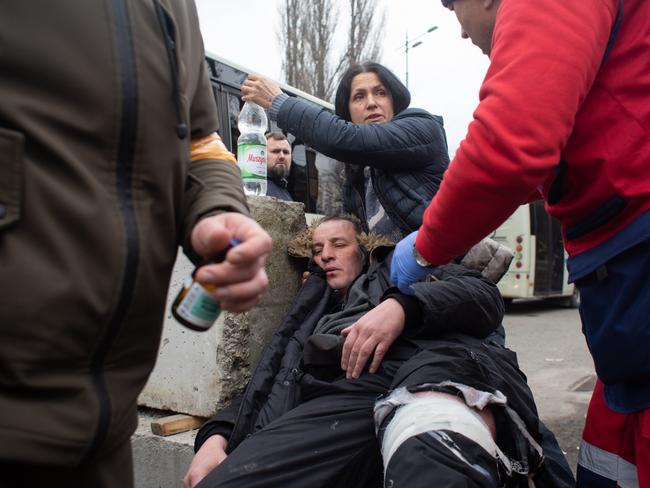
(194, 306)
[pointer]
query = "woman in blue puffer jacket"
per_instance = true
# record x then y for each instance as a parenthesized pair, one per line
(394, 155)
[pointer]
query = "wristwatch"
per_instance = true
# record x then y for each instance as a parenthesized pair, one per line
(420, 259)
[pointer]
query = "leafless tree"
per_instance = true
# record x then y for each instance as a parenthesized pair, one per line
(307, 37)
(293, 18)
(364, 32)
(319, 35)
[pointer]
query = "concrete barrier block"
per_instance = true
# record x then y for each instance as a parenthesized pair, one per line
(160, 462)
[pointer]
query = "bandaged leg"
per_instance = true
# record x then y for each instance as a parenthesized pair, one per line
(436, 434)
(441, 459)
(433, 411)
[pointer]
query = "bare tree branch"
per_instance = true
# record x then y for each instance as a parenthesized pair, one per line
(307, 37)
(364, 32)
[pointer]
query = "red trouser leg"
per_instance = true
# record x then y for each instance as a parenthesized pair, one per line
(616, 447)
(604, 428)
(642, 446)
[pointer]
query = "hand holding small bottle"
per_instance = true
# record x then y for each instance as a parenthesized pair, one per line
(239, 280)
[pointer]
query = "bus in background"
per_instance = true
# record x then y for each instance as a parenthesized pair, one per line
(538, 269)
(314, 179)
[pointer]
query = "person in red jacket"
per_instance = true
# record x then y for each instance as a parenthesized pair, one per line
(564, 114)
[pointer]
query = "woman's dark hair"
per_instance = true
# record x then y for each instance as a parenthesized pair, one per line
(399, 93)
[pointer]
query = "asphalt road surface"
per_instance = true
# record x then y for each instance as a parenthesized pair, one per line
(552, 352)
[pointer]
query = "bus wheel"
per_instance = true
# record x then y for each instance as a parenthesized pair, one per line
(574, 300)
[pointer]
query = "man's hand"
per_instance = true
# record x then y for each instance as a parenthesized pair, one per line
(374, 332)
(404, 269)
(240, 279)
(259, 90)
(211, 455)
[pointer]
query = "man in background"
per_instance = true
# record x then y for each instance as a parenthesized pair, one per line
(278, 165)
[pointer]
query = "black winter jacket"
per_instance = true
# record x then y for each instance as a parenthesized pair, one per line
(458, 300)
(407, 156)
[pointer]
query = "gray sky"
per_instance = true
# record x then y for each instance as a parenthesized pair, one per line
(445, 71)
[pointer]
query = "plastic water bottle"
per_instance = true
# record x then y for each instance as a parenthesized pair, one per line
(251, 148)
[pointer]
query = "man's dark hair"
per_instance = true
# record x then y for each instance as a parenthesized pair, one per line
(399, 93)
(446, 3)
(276, 136)
(356, 223)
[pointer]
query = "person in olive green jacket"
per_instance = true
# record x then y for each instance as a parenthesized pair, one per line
(109, 159)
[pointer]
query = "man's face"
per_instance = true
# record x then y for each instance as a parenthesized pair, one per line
(278, 159)
(336, 251)
(476, 18)
(370, 101)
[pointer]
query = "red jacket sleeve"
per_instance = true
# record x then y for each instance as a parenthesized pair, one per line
(545, 56)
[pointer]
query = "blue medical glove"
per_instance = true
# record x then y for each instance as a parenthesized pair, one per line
(404, 269)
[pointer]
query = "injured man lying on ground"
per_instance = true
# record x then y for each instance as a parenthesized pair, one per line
(363, 386)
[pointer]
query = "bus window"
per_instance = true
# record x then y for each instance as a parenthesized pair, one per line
(549, 261)
(234, 107)
(303, 178)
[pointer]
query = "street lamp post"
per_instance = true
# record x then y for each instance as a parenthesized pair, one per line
(408, 46)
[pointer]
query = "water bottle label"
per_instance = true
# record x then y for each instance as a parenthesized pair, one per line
(199, 307)
(251, 159)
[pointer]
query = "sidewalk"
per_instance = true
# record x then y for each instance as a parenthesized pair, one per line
(552, 352)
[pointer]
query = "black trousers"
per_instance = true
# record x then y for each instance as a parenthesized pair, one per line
(441, 459)
(327, 441)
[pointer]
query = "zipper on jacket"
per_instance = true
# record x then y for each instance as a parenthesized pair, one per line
(124, 169)
(169, 38)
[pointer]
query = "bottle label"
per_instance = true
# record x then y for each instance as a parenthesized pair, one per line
(199, 307)
(251, 159)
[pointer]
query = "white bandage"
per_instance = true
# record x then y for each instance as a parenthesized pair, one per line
(433, 411)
